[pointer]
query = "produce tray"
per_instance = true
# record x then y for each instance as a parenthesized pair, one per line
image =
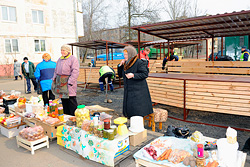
(22, 123)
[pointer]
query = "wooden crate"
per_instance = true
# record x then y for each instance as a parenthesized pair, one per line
(32, 145)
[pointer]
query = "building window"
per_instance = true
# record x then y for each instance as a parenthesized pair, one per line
(8, 13)
(11, 45)
(40, 45)
(37, 16)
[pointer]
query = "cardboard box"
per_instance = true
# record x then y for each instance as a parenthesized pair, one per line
(49, 130)
(12, 131)
(137, 138)
(123, 146)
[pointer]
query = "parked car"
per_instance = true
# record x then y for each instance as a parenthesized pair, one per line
(218, 57)
(90, 56)
(102, 57)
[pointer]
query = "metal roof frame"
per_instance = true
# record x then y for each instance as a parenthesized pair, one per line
(98, 44)
(220, 25)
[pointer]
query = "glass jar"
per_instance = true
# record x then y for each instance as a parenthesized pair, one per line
(111, 135)
(96, 130)
(91, 128)
(60, 110)
(101, 124)
(100, 133)
(106, 124)
(81, 113)
(114, 127)
(105, 134)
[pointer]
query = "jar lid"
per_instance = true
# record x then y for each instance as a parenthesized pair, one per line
(106, 120)
(110, 130)
(80, 106)
(200, 145)
(100, 129)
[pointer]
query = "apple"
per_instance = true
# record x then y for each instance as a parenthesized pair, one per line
(12, 115)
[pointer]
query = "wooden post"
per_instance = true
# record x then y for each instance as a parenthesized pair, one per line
(160, 50)
(221, 46)
(107, 52)
(163, 50)
(139, 43)
(168, 51)
(207, 50)
(212, 48)
(95, 55)
(197, 52)
(112, 54)
(181, 52)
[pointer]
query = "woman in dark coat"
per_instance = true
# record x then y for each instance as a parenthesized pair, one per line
(136, 100)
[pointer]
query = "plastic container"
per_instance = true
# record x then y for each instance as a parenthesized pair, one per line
(81, 113)
(13, 121)
(231, 135)
(200, 151)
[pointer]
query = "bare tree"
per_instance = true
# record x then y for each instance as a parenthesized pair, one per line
(181, 9)
(95, 19)
(137, 12)
(195, 11)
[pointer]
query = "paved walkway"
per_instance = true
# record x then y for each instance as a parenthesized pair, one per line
(13, 156)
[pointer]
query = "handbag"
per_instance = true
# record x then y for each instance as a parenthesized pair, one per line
(182, 132)
(39, 88)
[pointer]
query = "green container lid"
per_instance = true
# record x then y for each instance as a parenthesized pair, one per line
(81, 106)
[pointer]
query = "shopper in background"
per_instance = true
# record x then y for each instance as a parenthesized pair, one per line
(44, 74)
(144, 54)
(17, 69)
(28, 70)
(65, 80)
(136, 100)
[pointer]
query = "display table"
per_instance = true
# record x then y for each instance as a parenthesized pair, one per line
(97, 108)
(91, 147)
(183, 144)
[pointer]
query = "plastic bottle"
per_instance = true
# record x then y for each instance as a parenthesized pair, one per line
(47, 109)
(200, 150)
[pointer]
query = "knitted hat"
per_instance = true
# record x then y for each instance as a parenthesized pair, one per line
(46, 57)
(66, 47)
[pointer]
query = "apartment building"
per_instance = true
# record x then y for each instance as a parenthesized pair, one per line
(33, 27)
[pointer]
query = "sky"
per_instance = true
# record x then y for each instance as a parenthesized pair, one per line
(210, 6)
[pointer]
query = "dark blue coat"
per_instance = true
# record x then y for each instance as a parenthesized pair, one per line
(44, 73)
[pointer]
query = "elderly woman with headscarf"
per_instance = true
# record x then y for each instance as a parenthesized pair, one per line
(44, 74)
(137, 100)
(65, 80)
(17, 69)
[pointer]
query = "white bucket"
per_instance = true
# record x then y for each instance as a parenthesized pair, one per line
(227, 153)
(136, 124)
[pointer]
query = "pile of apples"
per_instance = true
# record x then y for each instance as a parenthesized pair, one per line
(4, 119)
(151, 151)
(21, 102)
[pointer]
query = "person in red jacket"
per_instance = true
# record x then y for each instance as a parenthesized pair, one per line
(144, 54)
